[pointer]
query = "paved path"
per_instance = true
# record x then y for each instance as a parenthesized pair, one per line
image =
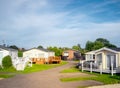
(44, 79)
(107, 86)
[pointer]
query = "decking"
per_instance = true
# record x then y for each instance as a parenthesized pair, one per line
(54, 60)
(93, 67)
(49, 60)
(103, 71)
(38, 60)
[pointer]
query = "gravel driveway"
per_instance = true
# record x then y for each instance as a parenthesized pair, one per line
(44, 79)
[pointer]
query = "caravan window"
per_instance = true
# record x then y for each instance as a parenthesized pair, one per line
(99, 59)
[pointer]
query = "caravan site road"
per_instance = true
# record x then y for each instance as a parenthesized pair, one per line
(107, 86)
(44, 79)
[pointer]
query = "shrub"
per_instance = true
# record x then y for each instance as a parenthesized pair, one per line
(6, 62)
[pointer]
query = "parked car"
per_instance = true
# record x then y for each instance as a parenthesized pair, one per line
(78, 65)
(87, 64)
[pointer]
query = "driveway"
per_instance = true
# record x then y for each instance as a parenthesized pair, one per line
(44, 79)
(107, 86)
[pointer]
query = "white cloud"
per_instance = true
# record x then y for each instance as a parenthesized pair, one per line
(41, 23)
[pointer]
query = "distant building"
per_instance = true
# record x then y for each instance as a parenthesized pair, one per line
(38, 53)
(71, 54)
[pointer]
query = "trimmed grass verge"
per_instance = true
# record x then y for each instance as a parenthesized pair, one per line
(41, 67)
(75, 79)
(104, 78)
(70, 70)
(6, 75)
(83, 86)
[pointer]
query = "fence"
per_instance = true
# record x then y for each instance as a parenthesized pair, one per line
(55, 59)
(94, 67)
(38, 60)
(49, 60)
(21, 63)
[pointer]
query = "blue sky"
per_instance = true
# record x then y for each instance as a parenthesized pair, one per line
(29, 23)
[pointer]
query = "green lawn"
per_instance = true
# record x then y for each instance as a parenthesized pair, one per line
(82, 86)
(70, 70)
(6, 73)
(20, 53)
(8, 70)
(41, 67)
(104, 78)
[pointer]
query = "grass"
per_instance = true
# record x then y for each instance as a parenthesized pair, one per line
(6, 75)
(83, 86)
(70, 70)
(41, 67)
(20, 53)
(116, 77)
(7, 70)
(10, 72)
(74, 79)
(104, 78)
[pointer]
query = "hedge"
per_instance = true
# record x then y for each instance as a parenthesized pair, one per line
(7, 62)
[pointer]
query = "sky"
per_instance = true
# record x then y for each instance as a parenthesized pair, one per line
(62, 23)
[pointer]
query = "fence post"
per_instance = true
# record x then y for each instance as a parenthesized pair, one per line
(101, 68)
(90, 67)
(31, 62)
(112, 69)
(112, 59)
(82, 65)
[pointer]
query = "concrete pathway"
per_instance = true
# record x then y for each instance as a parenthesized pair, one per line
(107, 86)
(44, 79)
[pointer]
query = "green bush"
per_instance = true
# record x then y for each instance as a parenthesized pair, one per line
(7, 62)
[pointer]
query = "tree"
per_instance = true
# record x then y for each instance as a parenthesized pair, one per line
(111, 46)
(58, 51)
(106, 43)
(76, 47)
(14, 47)
(102, 40)
(89, 45)
(40, 46)
(98, 45)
